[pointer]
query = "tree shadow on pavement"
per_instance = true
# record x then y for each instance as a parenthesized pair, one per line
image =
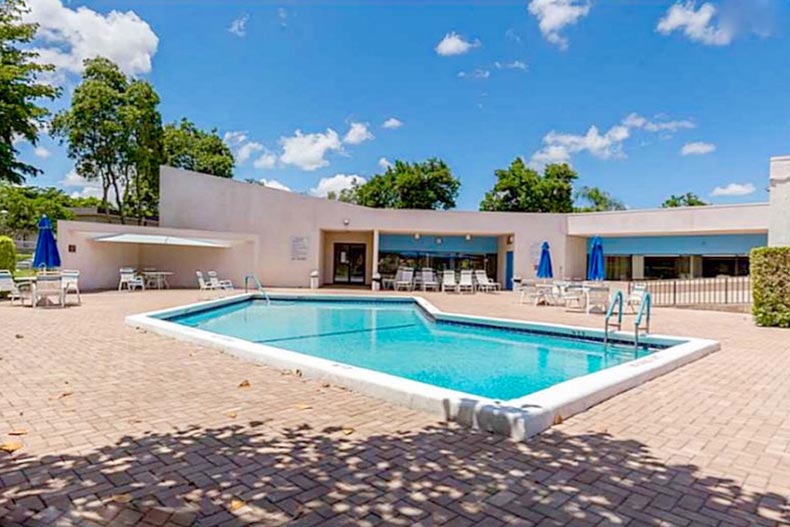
(252, 473)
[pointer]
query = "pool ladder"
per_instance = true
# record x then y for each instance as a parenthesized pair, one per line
(642, 313)
(258, 286)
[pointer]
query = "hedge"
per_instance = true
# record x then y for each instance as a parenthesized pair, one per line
(7, 254)
(770, 270)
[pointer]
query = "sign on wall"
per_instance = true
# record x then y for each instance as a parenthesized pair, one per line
(299, 245)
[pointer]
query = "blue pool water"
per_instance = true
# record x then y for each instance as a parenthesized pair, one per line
(398, 339)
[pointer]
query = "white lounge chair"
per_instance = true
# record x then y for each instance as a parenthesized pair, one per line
(71, 284)
(429, 279)
(7, 285)
(448, 281)
(48, 286)
(205, 285)
(484, 283)
(214, 280)
(130, 279)
(466, 283)
(635, 298)
(405, 279)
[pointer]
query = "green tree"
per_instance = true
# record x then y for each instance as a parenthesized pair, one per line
(20, 116)
(188, 147)
(7, 254)
(427, 185)
(689, 199)
(596, 200)
(113, 130)
(24, 206)
(521, 189)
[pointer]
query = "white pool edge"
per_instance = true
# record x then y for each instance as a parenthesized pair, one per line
(517, 418)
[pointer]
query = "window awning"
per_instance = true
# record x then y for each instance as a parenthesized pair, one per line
(158, 239)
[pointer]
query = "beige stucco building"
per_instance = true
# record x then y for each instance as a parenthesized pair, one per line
(242, 229)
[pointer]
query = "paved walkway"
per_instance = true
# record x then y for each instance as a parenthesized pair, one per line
(121, 427)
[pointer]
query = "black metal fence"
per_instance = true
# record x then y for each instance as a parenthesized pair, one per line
(699, 291)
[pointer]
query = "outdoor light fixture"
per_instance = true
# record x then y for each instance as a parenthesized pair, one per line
(468, 237)
(346, 222)
(510, 239)
(416, 235)
(438, 240)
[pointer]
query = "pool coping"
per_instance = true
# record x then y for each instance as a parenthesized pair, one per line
(518, 418)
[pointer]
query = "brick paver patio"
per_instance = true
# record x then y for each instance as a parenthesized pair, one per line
(121, 427)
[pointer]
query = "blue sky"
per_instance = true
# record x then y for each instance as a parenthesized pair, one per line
(473, 84)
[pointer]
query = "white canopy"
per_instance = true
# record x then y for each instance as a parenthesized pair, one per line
(158, 239)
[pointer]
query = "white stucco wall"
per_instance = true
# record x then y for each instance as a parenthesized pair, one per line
(779, 233)
(192, 200)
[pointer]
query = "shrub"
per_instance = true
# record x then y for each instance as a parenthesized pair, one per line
(7, 254)
(770, 270)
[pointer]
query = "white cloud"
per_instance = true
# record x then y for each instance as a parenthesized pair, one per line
(697, 24)
(243, 149)
(239, 26)
(559, 147)
(734, 189)
(385, 163)
(307, 151)
(86, 189)
(273, 183)
(266, 161)
(476, 74)
(358, 133)
(42, 152)
(392, 123)
(69, 36)
(697, 148)
(455, 44)
(515, 65)
(335, 184)
(554, 15)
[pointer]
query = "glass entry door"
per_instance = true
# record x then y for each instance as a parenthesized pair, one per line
(350, 263)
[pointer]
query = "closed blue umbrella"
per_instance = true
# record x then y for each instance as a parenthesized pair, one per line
(46, 248)
(544, 267)
(595, 267)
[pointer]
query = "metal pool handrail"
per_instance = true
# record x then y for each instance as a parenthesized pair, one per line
(258, 286)
(644, 309)
(617, 299)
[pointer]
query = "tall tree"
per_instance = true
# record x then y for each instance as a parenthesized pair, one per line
(113, 129)
(427, 185)
(24, 206)
(20, 116)
(188, 147)
(596, 200)
(521, 189)
(689, 199)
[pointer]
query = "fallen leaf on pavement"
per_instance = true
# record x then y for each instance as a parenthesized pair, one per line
(10, 446)
(121, 498)
(245, 384)
(303, 406)
(18, 432)
(232, 415)
(236, 504)
(65, 394)
(348, 430)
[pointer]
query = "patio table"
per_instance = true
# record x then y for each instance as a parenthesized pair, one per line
(159, 278)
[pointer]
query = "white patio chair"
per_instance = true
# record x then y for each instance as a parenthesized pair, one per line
(406, 279)
(484, 283)
(429, 279)
(48, 286)
(130, 279)
(466, 282)
(530, 292)
(448, 281)
(597, 298)
(7, 285)
(213, 279)
(71, 284)
(635, 298)
(205, 285)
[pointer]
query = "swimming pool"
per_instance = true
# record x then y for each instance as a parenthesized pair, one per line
(399, 338)
(511, 377)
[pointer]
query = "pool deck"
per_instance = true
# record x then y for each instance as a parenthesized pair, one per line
(123, 427)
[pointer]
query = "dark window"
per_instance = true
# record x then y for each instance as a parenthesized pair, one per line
(713, 266)
(618, 268)
(667, 267)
